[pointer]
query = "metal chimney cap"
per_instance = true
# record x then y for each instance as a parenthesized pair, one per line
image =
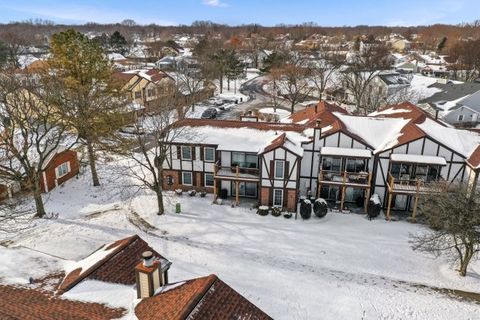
(147, 255)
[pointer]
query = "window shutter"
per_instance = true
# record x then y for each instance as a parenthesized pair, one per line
(179, 152)
(202, 178)
(193, 153)
(180, 178)
(287, 170)
(194, 178)
(272, 169)
(202, 152)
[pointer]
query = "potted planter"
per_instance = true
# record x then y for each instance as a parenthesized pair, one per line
(179, 191)
(263, 210)
(203, 194)
(276, 211)
(192, 193)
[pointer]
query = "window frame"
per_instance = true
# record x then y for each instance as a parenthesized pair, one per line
(181, 153)
(183, 178)
(137, 94)
(205, 179)
(275, 167)
(205, 154)
(65, 165)
(275, 198)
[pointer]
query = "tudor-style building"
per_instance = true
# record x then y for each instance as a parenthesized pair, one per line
(399, 153)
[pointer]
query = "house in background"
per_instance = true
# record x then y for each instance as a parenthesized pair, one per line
(466, 112)
(59, 167)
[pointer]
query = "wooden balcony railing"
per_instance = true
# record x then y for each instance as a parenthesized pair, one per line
(415, 186)
(236, 172)
(344, 178)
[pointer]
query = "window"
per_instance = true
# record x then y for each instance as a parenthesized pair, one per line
(460, 117)
(332, 164)
(186, 153)
(62, 170)
(208, 179)
(187, 178)
(244, 160)
(151, 92)
(209, 154)
(138, 94)
(279, 169)
(246, 189)
(277, 197)
(355, 165)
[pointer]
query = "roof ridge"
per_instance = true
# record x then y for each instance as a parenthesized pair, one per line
(190, 307)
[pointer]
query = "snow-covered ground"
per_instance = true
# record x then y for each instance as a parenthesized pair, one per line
(339, 267)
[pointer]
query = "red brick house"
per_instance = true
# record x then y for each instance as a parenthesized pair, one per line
(62, 166)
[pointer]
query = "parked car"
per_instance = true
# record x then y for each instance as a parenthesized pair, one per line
(132, 129)
(210, 113)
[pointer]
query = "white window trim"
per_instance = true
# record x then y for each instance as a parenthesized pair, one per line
(181, 153)
(183, 178)
(58, 168)
(278, 205)
(205, 153)
(205, 179)
(275, 169)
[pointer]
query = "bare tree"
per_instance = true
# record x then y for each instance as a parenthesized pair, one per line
(323, 70)
(455, 225)
(361, 70)
(32, 130)
(189, 83)
(15, 45)
(292, 80)
(147, 153)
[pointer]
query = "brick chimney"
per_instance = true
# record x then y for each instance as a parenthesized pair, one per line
(148, 276)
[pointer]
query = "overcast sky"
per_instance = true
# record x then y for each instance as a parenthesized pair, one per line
(233, 12)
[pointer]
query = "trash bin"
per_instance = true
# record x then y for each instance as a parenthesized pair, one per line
(178, 208)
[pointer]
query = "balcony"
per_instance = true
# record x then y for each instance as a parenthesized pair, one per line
(349, 179)
(415, 186)
(236, 173)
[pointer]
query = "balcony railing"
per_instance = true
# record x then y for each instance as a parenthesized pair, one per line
(415, 186)
(360, 179)
(236, 173)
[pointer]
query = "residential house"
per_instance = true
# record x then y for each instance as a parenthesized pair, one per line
(465, 113)
(60, 166)
(148, 88)
(322, 151)
(127, 279)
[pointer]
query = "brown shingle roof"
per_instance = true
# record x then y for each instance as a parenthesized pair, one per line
(117, 267)
(323, 110)
(474, 159)
(30, 304)
(199, 299)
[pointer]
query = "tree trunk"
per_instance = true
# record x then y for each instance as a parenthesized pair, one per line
(293, 107)
(159, 191)
(465, 261)
(37, 195)
(221, 84)
(228, 84)
(91, 161)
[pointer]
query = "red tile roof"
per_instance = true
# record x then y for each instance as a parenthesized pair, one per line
(474, 159)
(31, 304)
(117, 267)
(276, 143)
(323, 111)
(198, 299)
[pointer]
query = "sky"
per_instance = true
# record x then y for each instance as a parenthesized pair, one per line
(235, 12)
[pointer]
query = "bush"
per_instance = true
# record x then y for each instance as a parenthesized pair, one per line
(276, 211)
(262, 210)
(306, 209)
(320, 208)
(203, 194)
(287, 215)
(179, 191)
(192, 193)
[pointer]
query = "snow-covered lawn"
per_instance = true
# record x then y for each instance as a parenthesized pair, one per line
(339, 267)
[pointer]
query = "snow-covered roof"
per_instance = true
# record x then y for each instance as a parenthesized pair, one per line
(379, 133)
(463, 142)
(414, 158)
(346, 152)
(242, 139)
